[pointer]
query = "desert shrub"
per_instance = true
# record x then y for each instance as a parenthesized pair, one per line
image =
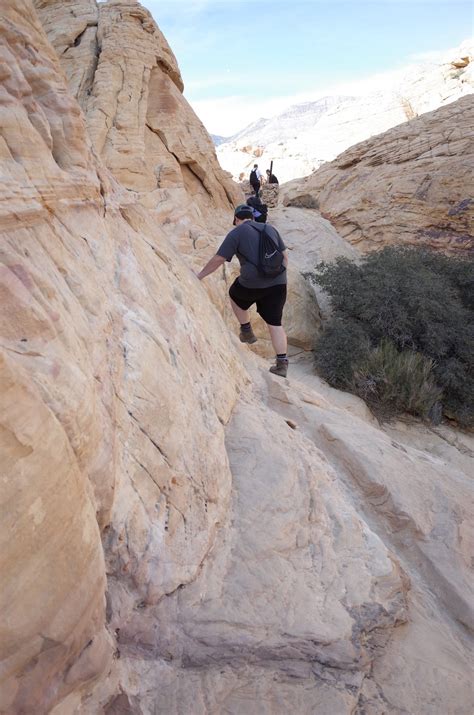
(341, 346)
(392, 382)
(422, 303)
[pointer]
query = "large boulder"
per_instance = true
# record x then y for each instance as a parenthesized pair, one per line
(409, 185)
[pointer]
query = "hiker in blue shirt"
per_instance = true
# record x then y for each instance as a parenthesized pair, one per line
(268, 292)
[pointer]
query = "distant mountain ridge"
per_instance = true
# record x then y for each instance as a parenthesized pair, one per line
(218, 139)
(306, 135)
(306, 114)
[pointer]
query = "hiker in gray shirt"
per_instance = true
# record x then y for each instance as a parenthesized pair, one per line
(268, 292)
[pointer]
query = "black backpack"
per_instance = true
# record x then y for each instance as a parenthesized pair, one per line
(253, 177)
(263, 209)
(270, 257)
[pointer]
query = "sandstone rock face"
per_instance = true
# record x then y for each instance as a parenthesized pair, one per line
(53, 577)
(407, 186)
(310, 240)
(125, 77)
(83, 293)
(298, 602)
(181, 531)
(306, 135)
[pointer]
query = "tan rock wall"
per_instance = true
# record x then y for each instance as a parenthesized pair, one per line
(127, 81)
(99, 325)
(53, 578)
(409, 185)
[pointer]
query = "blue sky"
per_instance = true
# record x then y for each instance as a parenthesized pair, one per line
(245, 59)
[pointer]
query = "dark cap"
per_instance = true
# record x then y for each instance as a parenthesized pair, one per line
(243, 211)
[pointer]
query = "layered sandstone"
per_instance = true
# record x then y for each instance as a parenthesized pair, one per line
(182, 531)
(126, 79)
(83, 295)
(410, 185)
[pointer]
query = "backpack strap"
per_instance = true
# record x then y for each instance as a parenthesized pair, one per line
(259, 234)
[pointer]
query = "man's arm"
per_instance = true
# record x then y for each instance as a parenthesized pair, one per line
(211, 266)
(285, 257)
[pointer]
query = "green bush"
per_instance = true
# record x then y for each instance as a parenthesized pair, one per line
(341, 346)
(392, 382)
(422, 303)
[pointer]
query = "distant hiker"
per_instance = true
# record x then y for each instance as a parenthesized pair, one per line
(259, 210)
(271, 178)
(263, 261)
(255, 176)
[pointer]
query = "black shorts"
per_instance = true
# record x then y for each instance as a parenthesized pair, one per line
(270, 301)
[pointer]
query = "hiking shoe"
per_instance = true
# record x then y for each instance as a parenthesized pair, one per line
(280, 368)
(247, 336)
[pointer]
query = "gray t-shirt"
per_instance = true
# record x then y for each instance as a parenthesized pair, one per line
(243, 242)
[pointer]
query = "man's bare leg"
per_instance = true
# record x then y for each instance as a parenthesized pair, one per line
(246, 334)
(278, 338)
(241, 315)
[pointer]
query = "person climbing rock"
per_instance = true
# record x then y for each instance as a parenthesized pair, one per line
(255, 179)
(271, 178)
(260, 210)
(267, 292)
